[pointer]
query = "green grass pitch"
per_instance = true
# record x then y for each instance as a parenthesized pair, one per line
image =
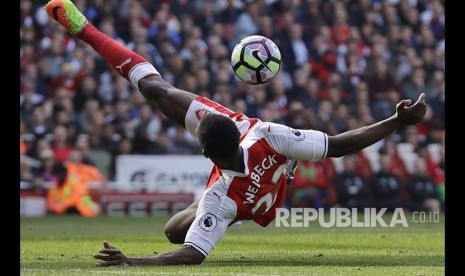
(64, 246)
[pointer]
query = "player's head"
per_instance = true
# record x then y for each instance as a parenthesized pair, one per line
(218, 137)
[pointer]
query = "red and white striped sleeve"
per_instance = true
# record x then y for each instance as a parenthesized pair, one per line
(202, 106)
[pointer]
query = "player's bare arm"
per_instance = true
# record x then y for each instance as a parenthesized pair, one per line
(357, 139)
(112, 256)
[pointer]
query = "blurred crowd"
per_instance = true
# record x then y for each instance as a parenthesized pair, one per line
(345, 64)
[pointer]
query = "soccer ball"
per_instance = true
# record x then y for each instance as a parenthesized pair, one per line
(256, 60)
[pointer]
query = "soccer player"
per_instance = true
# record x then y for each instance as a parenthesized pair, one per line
(250, 157)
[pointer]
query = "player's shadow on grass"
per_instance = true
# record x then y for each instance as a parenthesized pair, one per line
(321, 260)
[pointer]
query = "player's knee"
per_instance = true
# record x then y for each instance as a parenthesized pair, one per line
(176, 228)
(173, 234)
(154, 87)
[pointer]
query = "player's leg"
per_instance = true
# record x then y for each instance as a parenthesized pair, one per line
(170, 100)
(176, 228)
(133, 67)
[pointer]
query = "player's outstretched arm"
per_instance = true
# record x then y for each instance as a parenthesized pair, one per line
(112, 256)
(357, 139)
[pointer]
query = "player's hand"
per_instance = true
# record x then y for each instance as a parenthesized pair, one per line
(408, 113)
(111, 256)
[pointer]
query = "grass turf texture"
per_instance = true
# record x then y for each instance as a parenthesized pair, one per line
(64, 246)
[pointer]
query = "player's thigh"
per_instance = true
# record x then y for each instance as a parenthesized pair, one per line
(177, 227)
(215, 213)
(184, 217)
(173, 102)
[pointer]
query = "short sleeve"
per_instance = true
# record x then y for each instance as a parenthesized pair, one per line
(297, 144)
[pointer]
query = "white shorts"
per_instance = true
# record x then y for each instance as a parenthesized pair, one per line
(214, 214)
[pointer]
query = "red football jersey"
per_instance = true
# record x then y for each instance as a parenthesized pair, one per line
(263, 185)
(261, 188)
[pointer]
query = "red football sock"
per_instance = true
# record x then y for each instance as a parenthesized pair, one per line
(118, 56)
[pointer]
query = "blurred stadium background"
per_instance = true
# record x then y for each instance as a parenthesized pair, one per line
(345, 65)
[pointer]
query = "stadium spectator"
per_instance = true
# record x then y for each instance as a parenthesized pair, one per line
(397, 164)
(415, 83)
(98, 156)
(86, 91)
(110, 138)
(422, 190)
(26, 173)
(247, 23)
(29, 99)
(181, 142)
(322, 55)
(38, 122)
(61, 144)
(313, 185)
(124, 146)
(268, 144)
(66, 80)
(68, 194)
(412, 135)
(308, 93)
(294, 47)
(382, 88)
(147, 125)
(88, 174)
(299, 117)
(44, 173)
(363, 166)
(340, 29)
(352, 190)
(433, 168)
(81, 145)
(385, 187)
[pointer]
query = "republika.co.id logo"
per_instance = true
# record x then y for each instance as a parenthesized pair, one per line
(345, 217)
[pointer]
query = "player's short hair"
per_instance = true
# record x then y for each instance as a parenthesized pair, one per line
(218, 136)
